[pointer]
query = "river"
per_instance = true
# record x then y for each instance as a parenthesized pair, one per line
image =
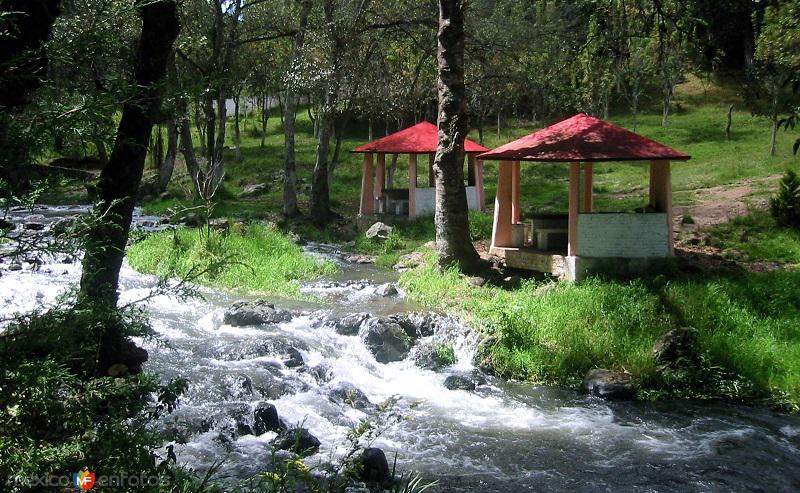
(501, 437)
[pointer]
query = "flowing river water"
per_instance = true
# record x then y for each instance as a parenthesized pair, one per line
(501, 437)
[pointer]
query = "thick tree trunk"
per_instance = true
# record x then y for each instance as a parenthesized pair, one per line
(453, 243)
(120, 178)
(320, 196)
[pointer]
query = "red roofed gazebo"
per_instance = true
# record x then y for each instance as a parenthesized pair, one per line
(415, 201)
(583, 240)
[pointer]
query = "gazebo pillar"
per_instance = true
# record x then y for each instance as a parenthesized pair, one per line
(367, 183)
(431, 178)
(515, 184)
(574, 208)
(412, 186)
(380, 177)
(588, 178)
(661, 196)
(501, 229)
(478, 167)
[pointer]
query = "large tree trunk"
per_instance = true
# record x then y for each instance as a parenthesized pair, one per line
(453, 243)
(289, 114)
(320, 193)
(120, 178)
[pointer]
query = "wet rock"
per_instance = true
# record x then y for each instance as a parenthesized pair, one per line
(265, 418)
(5, 224)
(458, 382)
(63, 225)
(432, 355)
(321, 373)
(386, 339)
(32, 226)
(379, 231)
(418, 324)
(253, 190)
(359, 259)
(609, 384)
(386, 290)
(15, 267)
(373, 466)
(349, 395)
(482, 358)
(293, 359)
(257, 312)
(297, 440)
(675, 352)
(350, 325)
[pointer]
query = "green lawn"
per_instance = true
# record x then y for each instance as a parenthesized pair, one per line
(696, 127)
(757, 237)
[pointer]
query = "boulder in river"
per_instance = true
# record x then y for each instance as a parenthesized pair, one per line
(349, 395)
(379, 231)
(293, 358)
(297, 440)
(5, 224)
(15, 266)
(265, 418)
(459, 382)
(419, 324)
(609, 384)
(373, 466)
(351, 324)
(386, 290)
(433, 355)
(386, 339)
(63, 225)
(257, 312)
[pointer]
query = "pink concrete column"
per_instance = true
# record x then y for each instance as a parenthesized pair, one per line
(380, 176)
(479, 197)
(367, 184)
(588, 179)
(412, 186)
(515, 184)
(574, 204)
(661, 196)
(501, 229)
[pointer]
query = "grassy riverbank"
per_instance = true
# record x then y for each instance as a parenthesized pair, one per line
(257, 259)
(548, 332)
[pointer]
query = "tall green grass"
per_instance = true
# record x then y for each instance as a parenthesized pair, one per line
(757, 237)
(257, 259)
(549, 332)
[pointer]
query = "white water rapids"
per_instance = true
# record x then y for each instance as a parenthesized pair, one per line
(502, 437)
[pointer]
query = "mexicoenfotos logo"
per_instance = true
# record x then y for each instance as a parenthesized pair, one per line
(83, 480)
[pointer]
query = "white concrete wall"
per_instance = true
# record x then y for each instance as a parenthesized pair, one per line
(623, 235)
(426, 200)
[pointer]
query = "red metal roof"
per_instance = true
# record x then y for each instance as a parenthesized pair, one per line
(422, 138)
(583, 138)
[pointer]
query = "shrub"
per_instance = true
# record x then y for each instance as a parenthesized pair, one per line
(785, 206)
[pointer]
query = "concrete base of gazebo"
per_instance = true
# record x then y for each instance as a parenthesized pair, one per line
(577, 268)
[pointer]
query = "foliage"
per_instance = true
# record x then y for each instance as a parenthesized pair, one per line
(444, 354)
(58, 416)
(260, 259)
(785, 206)
(757, 237)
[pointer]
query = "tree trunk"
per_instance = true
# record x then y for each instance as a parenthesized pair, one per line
(120, 178)
(391, 172)
(290, 208)
(453, 243)
(320, 196)
(264, 118)
(729, 123)
(774, 117)
(199, 119)
(168, 164)
(666, 103)
(237, 131)
(102, 153)
(218, 163)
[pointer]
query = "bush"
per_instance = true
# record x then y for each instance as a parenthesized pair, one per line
(785, 206)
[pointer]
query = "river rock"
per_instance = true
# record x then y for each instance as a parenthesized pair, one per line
(386, 339)
(458, 382)
(675, 351)
(33, 226)
(258, 312)
(351, 324)
(426, 356)
(418, 324)
(265, 418)
(63, 225)
(373, 466)
(609, 384)
(379, 231)
(386, 290)
(351, 396)
(5, 224)
(15, 267)
(297, 440)
(293, 359)
(253, 190)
